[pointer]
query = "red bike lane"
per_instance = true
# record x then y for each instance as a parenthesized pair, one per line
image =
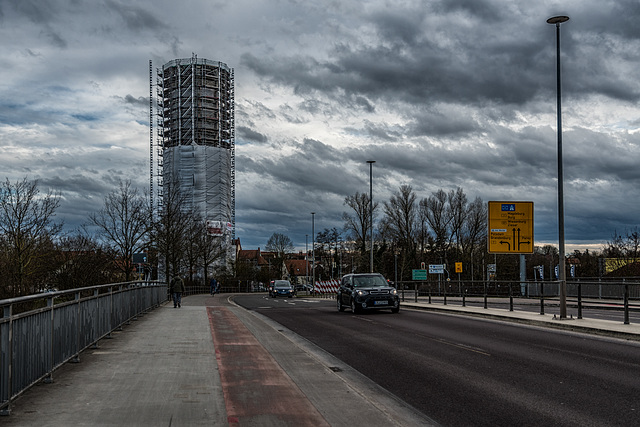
(256, 389)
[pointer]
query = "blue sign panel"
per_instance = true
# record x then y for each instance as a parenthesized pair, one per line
(508, 207)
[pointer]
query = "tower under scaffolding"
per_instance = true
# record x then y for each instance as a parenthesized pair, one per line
(196, 139)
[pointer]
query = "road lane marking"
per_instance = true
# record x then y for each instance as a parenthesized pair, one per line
(462, 346)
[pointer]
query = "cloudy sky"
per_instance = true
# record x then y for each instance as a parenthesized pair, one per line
(440, 93)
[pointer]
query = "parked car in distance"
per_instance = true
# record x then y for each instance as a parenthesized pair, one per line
(282, 288)
(367, 291)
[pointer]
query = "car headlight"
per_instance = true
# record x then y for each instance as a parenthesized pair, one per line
(362, 293)
(393, 291)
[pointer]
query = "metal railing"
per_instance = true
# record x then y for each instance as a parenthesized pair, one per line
(624, 290)
(39, 333)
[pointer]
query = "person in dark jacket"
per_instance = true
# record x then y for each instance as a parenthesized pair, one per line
(177, 288)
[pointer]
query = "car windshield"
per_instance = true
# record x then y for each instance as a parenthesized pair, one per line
(283, 285)
(373, 281)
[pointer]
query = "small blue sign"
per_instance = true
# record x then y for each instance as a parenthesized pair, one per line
(508, 207)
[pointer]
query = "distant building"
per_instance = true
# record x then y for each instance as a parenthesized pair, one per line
(196, 141)
(299, 271)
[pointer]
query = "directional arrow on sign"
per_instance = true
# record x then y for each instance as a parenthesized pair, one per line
(502, 242)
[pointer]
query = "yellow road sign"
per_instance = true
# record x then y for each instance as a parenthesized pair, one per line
(458, 267)
(510, 227)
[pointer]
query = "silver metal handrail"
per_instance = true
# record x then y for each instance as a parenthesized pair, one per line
(39, 333)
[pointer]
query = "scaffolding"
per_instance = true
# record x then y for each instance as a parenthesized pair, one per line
(196, 136)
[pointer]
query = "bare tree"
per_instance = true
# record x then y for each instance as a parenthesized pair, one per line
(195, 228)
(474, 232)
(400, 218)
(458, 211)
(281, 244)
(201, 249)
(437, 214)
(400, 223)
(328, 241)
(170, 230)
(27, 231)
(123, 224)
(83, 262)
(359, 224)
(474, 228)
(211, 249)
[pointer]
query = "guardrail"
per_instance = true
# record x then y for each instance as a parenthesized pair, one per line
(39, 333)
(621, 289)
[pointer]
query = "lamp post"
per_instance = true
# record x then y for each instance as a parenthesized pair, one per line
(313, 251)
(557, 20)
(306, 256)
(371, 162)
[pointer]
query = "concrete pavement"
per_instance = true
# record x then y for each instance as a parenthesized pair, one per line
(208, 363)
(213, 363)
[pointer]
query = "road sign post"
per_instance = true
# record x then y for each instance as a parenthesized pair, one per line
(510, 228)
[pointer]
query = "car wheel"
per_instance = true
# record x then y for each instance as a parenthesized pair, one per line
(354, 306)
(395, 309)
(340, 306)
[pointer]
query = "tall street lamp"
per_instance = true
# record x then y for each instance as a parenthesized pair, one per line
(313, 250)
(306, 257)
(557, 20)
(371, 162)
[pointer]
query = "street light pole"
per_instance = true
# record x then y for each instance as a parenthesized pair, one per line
(371, 162)
(557, 20)
(313, 251)
(306, 257)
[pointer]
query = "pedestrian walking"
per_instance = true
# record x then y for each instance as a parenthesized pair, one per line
(177, 288)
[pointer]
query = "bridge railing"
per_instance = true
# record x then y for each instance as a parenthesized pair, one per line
(39, 333)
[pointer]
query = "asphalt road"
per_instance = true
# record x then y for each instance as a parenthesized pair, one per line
(469, 371)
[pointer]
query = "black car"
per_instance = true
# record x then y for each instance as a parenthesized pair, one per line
(282, 288)
(367, 291)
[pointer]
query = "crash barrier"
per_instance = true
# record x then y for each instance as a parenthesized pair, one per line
(624, 290)
(328, 286)
(39, 333)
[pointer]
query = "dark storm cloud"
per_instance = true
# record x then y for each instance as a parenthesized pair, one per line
(135, 18)
(311, 167)
(139, 101)
(382, 131)
(245, 133)
(37, 11)
(433, 122)
(416, 60)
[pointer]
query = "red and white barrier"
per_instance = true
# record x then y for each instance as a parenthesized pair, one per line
(327, 286)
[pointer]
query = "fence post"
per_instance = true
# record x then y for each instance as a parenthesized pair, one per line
(7, 364)
(49, 378)
(510, 297)
(485, 294)
(579, 299)
(541, 297)
(464, 304)
(445, 292)
(626, 303)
